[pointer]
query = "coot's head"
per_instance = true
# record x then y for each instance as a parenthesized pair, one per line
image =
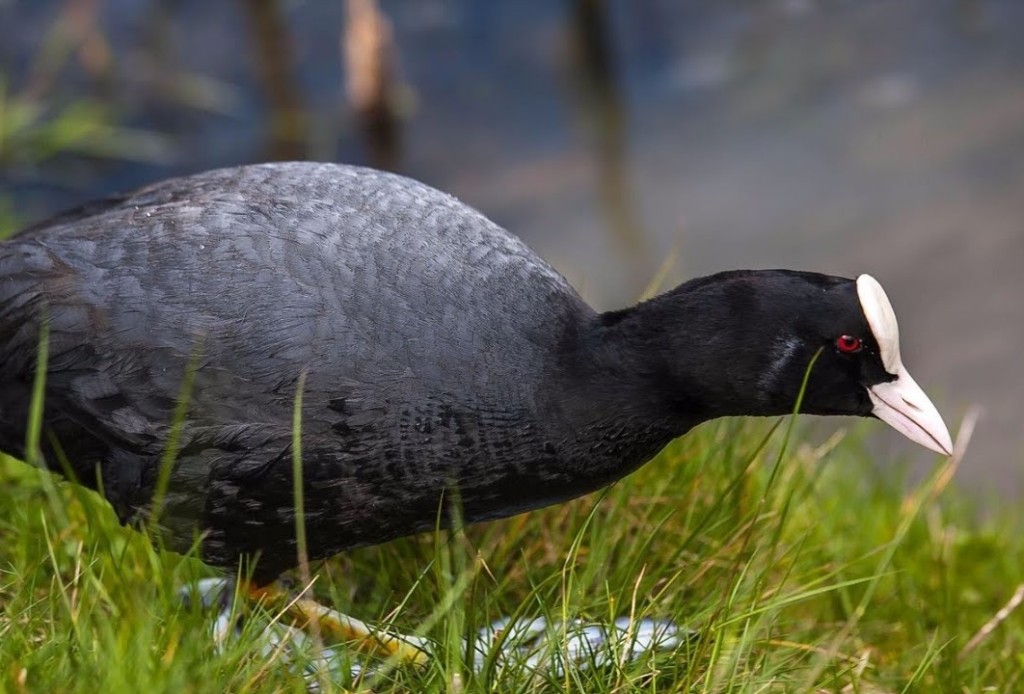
(750, 336)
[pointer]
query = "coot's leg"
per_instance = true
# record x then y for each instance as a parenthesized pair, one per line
(341, 628)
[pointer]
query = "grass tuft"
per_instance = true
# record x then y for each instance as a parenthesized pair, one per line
(813, 575)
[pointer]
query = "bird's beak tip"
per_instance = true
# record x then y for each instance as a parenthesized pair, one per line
(903, 405)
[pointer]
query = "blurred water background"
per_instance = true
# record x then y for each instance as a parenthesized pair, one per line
(627, 141)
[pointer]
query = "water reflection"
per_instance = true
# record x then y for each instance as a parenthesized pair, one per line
(272, 55)
(602, 113)
(371, 78)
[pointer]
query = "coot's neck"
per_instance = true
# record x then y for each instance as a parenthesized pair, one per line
(635, 379)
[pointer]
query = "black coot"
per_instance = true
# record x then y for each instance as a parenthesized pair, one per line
(440, 355)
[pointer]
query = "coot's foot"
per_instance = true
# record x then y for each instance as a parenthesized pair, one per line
(541, 645)
(531, 644)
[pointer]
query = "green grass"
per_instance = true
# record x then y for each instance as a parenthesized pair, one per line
(805, 571)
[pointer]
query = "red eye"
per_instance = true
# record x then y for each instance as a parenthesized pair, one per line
(848, 344)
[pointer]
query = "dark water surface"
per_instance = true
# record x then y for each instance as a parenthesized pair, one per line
(881, 136)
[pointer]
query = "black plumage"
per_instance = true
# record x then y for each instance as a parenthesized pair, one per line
(441, 357)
